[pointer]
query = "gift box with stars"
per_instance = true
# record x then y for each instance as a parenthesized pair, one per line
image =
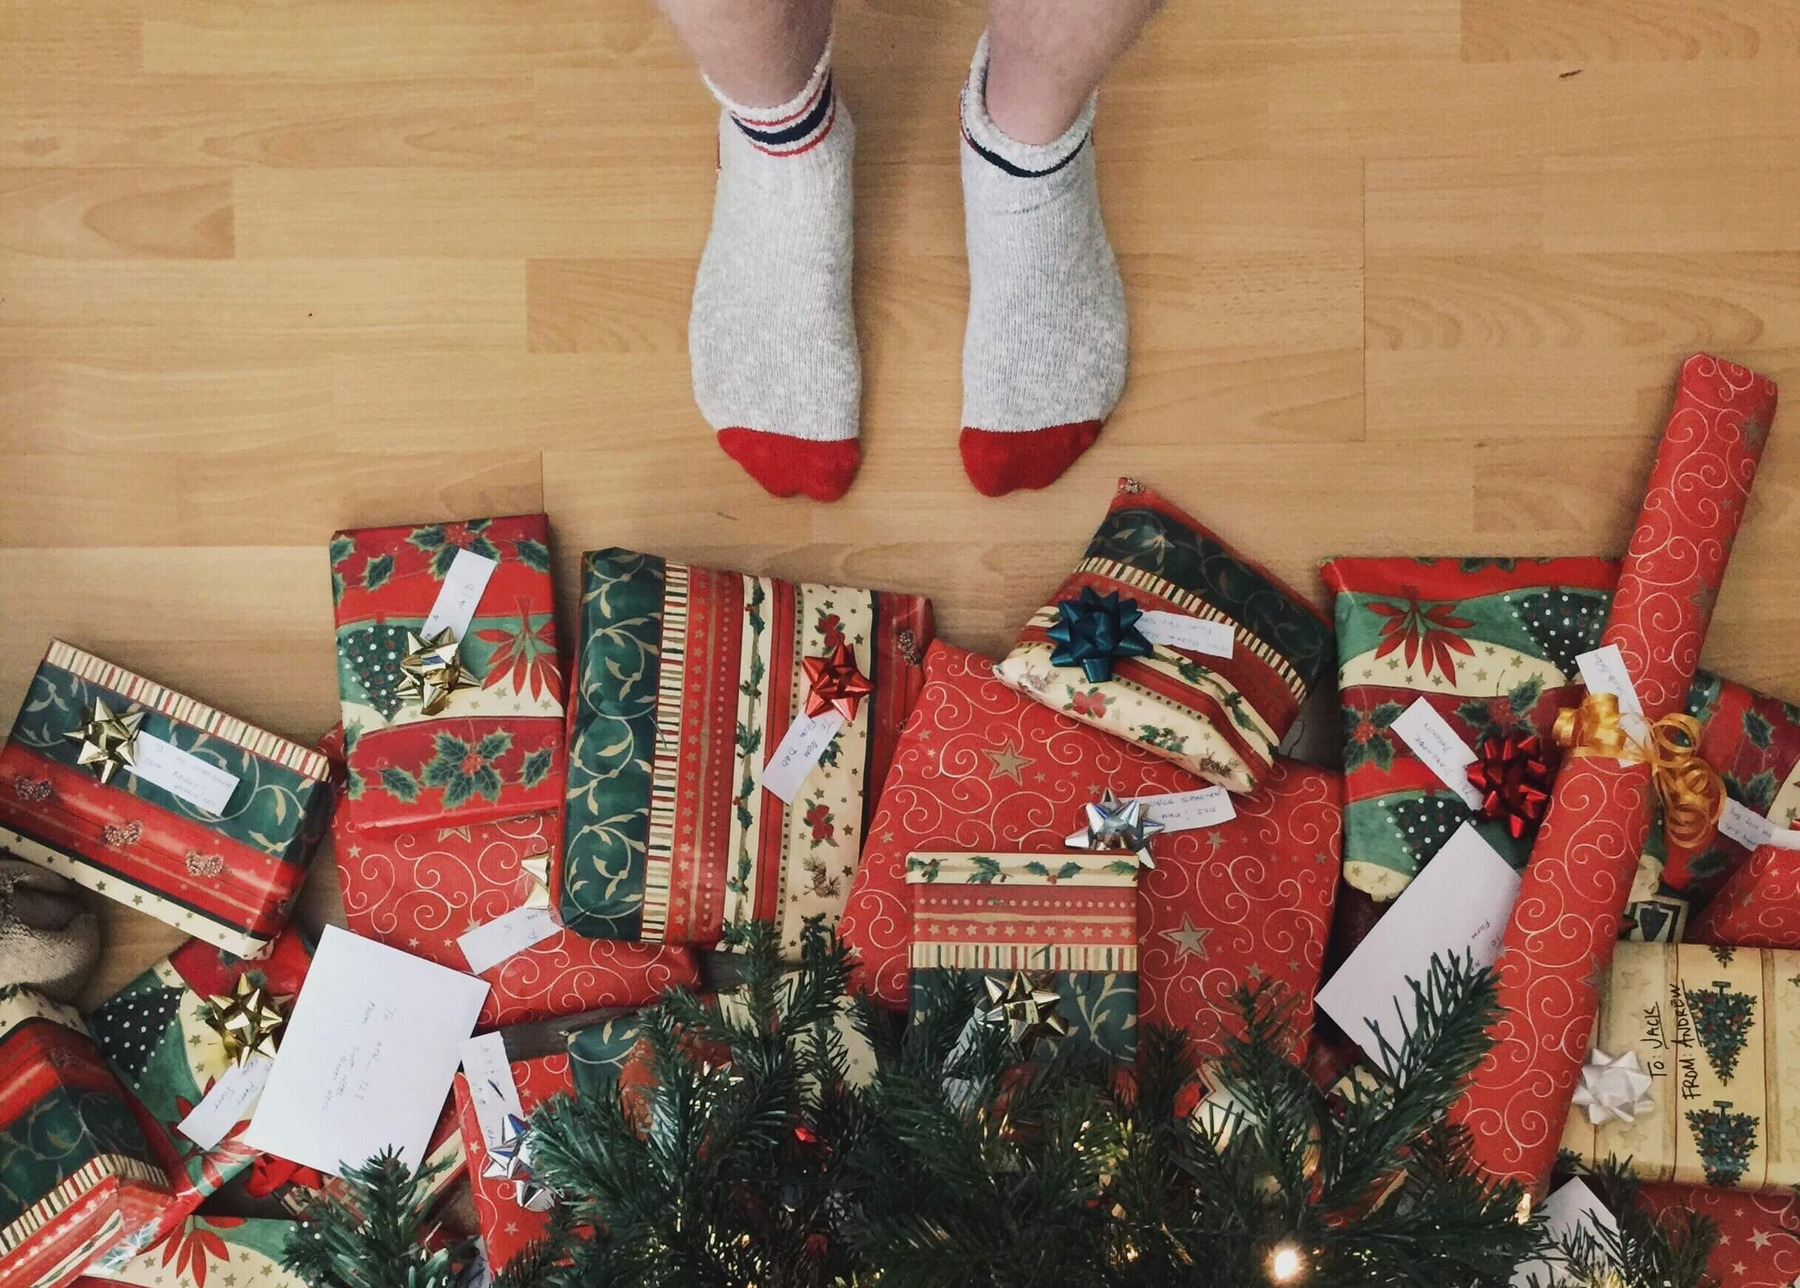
(1167, 637)
(423, 890)
(167, 806)
(448, 672)
(727, 736)
(75, 1170)
(171, 1034)
(227, 1251)
(1691, 1075)
(1491, 645)
(1759, 1234)
(981, 768)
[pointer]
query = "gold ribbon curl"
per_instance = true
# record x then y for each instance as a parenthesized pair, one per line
(1691, 791)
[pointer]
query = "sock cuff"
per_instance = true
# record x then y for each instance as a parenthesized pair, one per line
(793, 127)
(992, 144)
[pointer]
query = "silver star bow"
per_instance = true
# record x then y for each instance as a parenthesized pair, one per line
(1614, 1088)
(1113, 824)
(509, 1159)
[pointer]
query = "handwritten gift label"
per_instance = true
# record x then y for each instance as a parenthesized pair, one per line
(460, 595)
(493, 1091)
(800, 750)
(1751, 830)
(494, 941)
(200, 783)
(1191, 634)
(1179, 811)
(1440, 748)
(229, 1102)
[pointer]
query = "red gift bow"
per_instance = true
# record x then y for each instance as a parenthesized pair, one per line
(835, 683)
(1514, 781)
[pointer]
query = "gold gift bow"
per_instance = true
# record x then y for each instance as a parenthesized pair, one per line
(1692, 793)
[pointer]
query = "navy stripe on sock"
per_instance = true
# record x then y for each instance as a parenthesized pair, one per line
(799, 130)
(1019, 172)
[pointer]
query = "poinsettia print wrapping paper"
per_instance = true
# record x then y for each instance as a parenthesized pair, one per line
(1491, 645)
(982, 767)
(687, 681)
(157, 1036)
(495, 749)
(1220, 717)
(422, 890)
(75, 1170)
(1578, 881)
(229, 877)
(223, 1251)
(1759, 1234)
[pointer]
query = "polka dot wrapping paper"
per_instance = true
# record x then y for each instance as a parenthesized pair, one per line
(980, 767)
(1578, 881)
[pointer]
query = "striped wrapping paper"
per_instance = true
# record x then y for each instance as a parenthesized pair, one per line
(229, 878)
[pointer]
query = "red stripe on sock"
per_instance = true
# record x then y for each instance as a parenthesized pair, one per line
(761, 124)
(804, 147)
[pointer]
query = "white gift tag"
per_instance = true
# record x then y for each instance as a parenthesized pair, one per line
(229, 1103)
(493, 942)
(492, 1090)
(1573, 1206)
(1783, 838)
(460, 595)
(200, 783)
(1440, 747)
(1745, 826)
(1179, 811)
(800, 749)
(1603, 671)
(1194, 634)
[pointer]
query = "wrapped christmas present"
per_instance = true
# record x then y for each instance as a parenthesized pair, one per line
(1489, 647)
(1579, 878)
(1759, 904)
(476, 897)
(204, 1250)
(1694, 1073)
(1242, 887)
(184, 1039)
(1167, 637)
(75, 1171)
(1759, 1234)
(1051, 939)
(146, 796)
(726, 740)
(448, 672)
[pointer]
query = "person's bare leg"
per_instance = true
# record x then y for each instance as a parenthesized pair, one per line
(1044, 352)
(771, 336)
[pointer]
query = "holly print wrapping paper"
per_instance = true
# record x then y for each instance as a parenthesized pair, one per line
(1063, 924)
(228, 876)
(157, 1036)
(221, 1251)
(494, 750)
(982, 767)
(1759, 1234)
(1491, 645)
(1718, 1031)
(1220, 717)
(422, 890)
(1578, 881)
(687, 681)
(75, 1170)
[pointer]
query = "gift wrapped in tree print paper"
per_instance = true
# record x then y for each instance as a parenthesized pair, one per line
(75, 1171)
(1491, 645)
(448, 673)
(695, 691)
(152, 799)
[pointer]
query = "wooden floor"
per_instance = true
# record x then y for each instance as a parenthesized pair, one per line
(1406, 276)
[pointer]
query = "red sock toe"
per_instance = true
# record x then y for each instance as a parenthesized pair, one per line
(789, 466)
(998, 462)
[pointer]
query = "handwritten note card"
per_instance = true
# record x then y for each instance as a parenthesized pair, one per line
(370, 1051)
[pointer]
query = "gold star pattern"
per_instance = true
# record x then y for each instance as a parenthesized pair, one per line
(1189, 940)
(1008, 762)
(107, 741)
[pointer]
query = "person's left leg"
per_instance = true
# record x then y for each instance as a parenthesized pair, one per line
(1045, 347)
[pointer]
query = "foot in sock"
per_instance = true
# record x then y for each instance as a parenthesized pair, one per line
(1044, 352)
(771, 339)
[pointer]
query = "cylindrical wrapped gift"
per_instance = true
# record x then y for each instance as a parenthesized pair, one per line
(1560, 938)
(1759, 904)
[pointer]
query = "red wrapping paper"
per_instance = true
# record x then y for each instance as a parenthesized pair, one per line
(981, 766)
(1758, 906)
(1560, 938)
(506, 1227)
(1759, 1234)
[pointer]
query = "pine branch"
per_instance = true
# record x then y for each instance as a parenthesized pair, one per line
(378, 1238)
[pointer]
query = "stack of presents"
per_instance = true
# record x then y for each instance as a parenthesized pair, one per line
(1107, 812)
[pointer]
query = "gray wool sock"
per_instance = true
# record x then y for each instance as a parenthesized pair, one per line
(772, 339)
(1044, 352)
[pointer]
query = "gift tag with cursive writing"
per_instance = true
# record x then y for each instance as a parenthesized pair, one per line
(229, 1102)
(800, 749)
(492, 1090)
(1440, 748)
(1179, 811)
(494, 941)
(1191, 634)
(460, 595)
(199, 782)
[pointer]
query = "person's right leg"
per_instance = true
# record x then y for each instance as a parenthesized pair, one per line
(772, 338)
